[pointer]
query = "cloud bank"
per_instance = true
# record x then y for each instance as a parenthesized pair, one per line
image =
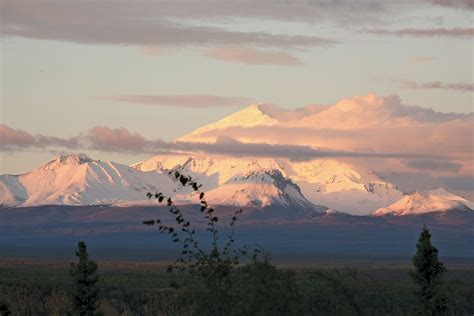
(177, 23)
(142, 23)
(461, 87)
(457, 32)
(13, 139)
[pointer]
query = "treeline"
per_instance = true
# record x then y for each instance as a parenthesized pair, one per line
(312, 292)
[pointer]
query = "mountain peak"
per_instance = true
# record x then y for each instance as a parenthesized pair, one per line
(250, 116)
(438, 200)
(67, 159)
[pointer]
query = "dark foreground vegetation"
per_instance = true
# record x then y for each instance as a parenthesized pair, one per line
(223, 278)
(145, 288)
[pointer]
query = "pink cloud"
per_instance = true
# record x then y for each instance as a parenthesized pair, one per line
(462, 87)
(435, 32)
(119, 139)
(182, 100)
(252, 56)
(142, 23)
(11, 139)
(15, 137)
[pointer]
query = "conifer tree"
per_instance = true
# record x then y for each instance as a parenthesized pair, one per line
(85, 291)
(4, 311)
(428, 276)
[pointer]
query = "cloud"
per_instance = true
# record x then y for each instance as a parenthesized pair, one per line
(434, 32)
(229, 146)
(104, 138)
(252, 56)
(457, 4)
(14, 139)
(182, 100)
(421, 60)
(434, 165)
(143, 23)
(459, 183)
(461, 87)
(119, 139)
(165, 23)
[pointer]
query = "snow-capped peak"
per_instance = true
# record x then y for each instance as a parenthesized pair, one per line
(250, 116)
(323, 182)
(79, 180)
(66, 159)
(260, 188)
(438, 200)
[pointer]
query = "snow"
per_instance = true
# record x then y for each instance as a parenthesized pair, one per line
(438, 200)
(259, 182)
(77, 180)
(249, 117)
(322, 182)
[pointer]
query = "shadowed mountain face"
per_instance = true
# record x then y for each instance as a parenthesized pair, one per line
(277, 229)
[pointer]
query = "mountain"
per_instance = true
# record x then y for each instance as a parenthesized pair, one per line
(80, 180)
(438, 200)
(299, 187)
(249, 117)
(322, 182)
(235, 181)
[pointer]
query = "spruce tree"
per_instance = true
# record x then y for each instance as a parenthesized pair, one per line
(85, 290)
(428, 276)
(4, 311)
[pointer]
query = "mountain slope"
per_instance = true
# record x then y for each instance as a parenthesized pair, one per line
(438, 200)
(235, 181)
(342, 187)
(249, 117)
(79, 180)
(322, 182)
(244, 182)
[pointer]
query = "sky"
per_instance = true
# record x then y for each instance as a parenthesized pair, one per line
(107, 77)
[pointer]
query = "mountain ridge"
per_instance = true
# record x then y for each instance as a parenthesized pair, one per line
(315, 186)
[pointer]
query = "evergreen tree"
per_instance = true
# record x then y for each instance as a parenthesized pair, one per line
(85, 291)
(4, 311)
(428, 276)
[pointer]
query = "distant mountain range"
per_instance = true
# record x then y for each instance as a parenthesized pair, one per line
(313, 186)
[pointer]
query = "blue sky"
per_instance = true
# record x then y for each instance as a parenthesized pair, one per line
(64, 63)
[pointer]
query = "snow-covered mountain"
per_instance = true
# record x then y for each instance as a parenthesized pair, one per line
(246, 182)
(235, 181)
(323, 182)
(79, 180)
(438, 200)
